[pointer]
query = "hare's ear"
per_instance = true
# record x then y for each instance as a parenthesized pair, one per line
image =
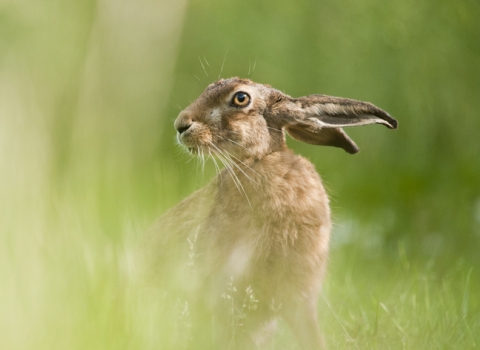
(318, 119)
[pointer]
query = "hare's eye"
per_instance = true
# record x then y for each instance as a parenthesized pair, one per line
(241, 99)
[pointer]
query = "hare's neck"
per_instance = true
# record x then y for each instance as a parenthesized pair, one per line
(254, 178)
(277, 162)
(253, 162)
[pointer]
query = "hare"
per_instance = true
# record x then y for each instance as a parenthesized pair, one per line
(254, 241)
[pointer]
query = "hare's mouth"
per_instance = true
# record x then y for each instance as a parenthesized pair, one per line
(202, 150)
(197, 150)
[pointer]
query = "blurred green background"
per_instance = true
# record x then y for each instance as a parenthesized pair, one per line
(89, 91)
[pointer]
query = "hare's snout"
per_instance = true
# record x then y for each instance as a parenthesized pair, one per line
(191, 133)
(183, 123)
(184, 126)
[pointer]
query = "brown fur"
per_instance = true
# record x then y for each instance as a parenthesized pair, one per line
(264, 221)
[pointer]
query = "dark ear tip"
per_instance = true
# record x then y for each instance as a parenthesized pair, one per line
(350, 147)
(393, 123)
(352, 150)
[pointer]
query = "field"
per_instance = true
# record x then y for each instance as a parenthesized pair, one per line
(88, 95)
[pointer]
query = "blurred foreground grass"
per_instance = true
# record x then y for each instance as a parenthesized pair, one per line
(88, 93)
(67, 285)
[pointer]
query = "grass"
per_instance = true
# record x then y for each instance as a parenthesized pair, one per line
(406, 305)
(87, 162)
(68, 283)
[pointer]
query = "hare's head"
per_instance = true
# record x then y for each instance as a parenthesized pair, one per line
(248, 120)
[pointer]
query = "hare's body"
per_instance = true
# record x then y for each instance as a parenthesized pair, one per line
(274, 237)
(260, 230)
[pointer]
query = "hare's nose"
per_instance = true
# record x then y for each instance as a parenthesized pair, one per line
(182, 128)
(183, 123)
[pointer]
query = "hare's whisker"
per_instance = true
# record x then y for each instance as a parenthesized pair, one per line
(230, 140)
(191, 157)
(202, 157)
(176, 101)
(217, 168)
(224, 160)
(197, 163)
(199, 58)
(228, 165)
(237, 159)
(244, 173)
(229, 156)
(223, 64)
(235, 179)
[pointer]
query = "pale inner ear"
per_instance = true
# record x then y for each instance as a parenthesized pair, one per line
(341, 121)
(341, 112)
(327, 136)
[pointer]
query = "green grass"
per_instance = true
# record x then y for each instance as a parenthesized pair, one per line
(69, 283)
(402, 305)
(88, 94)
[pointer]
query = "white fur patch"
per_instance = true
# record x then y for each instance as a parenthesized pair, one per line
(318, 122)
(315, 112)
(215, 115)
(327, 108)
